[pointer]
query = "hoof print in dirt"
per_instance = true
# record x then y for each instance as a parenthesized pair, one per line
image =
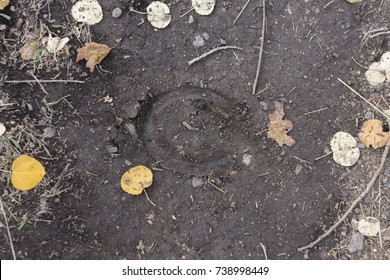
(190, 130)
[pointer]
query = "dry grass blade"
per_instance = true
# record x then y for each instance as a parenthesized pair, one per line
(8, 231)
(260, 52)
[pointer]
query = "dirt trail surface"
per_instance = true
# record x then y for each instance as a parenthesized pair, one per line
(222, 188)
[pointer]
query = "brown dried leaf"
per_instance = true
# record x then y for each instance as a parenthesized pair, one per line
(278, 128)
(372, 134)
(93, 53)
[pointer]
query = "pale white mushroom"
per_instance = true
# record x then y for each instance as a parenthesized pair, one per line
(344, 148)
(375, 74)
(203, 7)
(88, 11)
(158, 14)
(369, 226)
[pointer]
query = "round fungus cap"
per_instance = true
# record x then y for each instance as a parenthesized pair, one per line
(158, 14)
(88, 11)
(345, 150)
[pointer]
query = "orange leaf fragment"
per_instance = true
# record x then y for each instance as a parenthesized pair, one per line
(278, 128)
(372, 134)
(93, 53)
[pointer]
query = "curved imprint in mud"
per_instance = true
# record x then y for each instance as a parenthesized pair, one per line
(189, 130)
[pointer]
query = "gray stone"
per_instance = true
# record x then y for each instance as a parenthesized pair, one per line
(49, 132)
(368, 115)
(190, 19)
(198, 42)
(197, 182)
(356, 243)
(298, 168)
(386, 235)
(206, 36)
(117, 12)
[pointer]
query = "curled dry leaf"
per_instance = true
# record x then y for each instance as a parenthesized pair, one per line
(3, 4)
(203, 7)
(136, 179)
(369, 226)
(87, 11)
(278, 128)
(27, 172)
(372, 134)
(158, 14)
(344, 148)
(55, 44)
(93, 53)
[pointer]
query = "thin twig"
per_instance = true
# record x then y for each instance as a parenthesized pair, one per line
(214, 185)
(8, 231)
(39, 83)
(43, 81)
(358, 94)
(213, 51)
(320, 157)
(328, 4)
(189, 11)
(242, 10)
(264, 251)
(354, 203)
(316, 111)
(260, 52)
(147, 197)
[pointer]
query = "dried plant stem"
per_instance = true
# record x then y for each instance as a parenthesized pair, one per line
(147, 197)
(213, 51)
(8, 231)
(242, 10)
(260, 52)
(358, 94)
(42, 81)
(354, 203)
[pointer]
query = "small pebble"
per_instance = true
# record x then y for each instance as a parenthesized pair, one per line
(368, 115)
(298, 168)
(49, 132)
(386, 235)
(206, 36)
(356, 243)
(198, 42)
(264, 106)
(117, 12)
(246, 159)
(222, 42)
(197, 182)
(278, 104)
(190, 19)
(83, 75)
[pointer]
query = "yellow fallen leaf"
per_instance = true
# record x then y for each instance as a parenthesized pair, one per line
(136, 179)
(278, 128)
(93, 53)
(372, 134)
(27, 172)
(3, 4)
(354, 1)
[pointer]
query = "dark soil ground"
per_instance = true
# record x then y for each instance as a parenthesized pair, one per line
(192, 124)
